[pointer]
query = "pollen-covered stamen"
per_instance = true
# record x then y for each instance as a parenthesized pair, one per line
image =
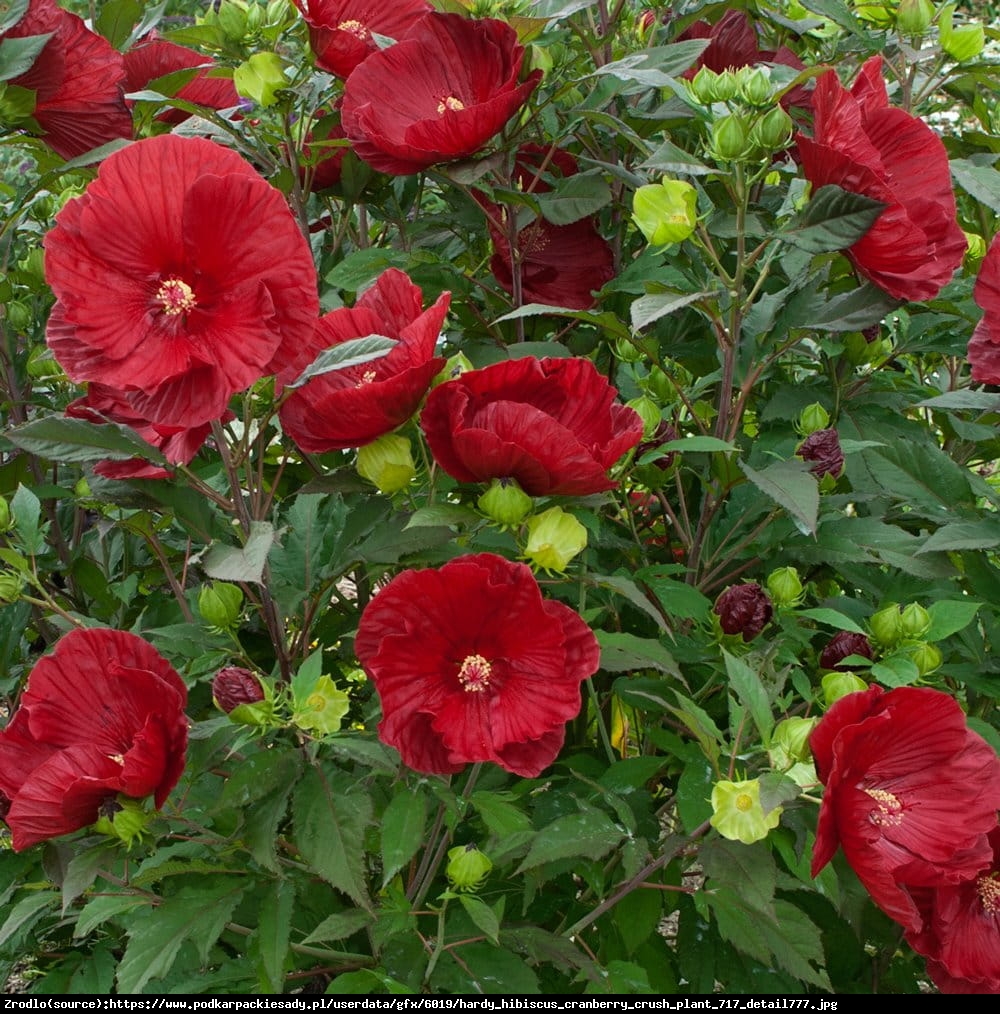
(889, 811)
(988, 887)
(176, 297)
(474, 675)
(744, 802)
(450, 102)
(354, 27)
(366, 378)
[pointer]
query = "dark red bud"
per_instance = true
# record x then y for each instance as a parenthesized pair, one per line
(233, 686)
(841, 645)
(823, 449)
(744, 609)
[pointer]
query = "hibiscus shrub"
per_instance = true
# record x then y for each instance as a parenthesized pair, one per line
(499, 497)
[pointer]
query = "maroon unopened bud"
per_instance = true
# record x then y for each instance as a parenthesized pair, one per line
(840, 647)
(663, 434)
(744, 609)
(233, 686)
(873, 333)
(822, 448)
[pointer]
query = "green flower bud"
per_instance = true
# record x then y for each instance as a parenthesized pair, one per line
(755, 88)
(454, 367)
(926, 657)
(41, 363)
(773, 131)
(322, 708)
(665, 212)
(785, 587)
(878, 14)
(243, 697)
(737, 812)
(915, 622)
(812, 418)
(727, 84)
(220, 604)
(505, 502)
(11, 585)
(554, 538)
(255, 18)
(5, 522)
(914, 17)
(123, 818)
(387, 462)
(648, 411)
(232, 18)
(839, 684)
(260, 78)
(627, 352)
(887, 626)
(702, 86)
(790, 742)
(467, 867)
(963, 43)
(975, 250)
(729, 138)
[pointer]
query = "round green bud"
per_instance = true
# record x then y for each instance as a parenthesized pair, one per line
(232, 19)
(467, 867)
(773, 131)
(727, 84)
(811, 419)
(738, 814)
(554, 538)
(41, 363)
(914, 17)
(785, 587)
(839, 684)
(387, 462)
(11, 585)
(963, 43)
(975, 249)
(881, 15)
(915, 622)
(729, 138)
(665, 212)
(887, 626)
(220, 604)
(926, 657)
(648, 411)
(702, 86)
(5, 521)
(18, 316)
(505, 502)
(790, 742)
(123, 818)
(321, 708)
(755, 87)
(627, 352)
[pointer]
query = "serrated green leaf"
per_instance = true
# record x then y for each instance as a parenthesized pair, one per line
(751, 693)
(27, 911)
(590, 835)
(948, 616)
(330, 819)
(679, 599)
(791, 485)
(403, 825)
(241, 563)
(697, 443)
(104, 907)
(75, 440)
(831, 618)
(115, 20)
(834, 219)
(625, 652)
(17, 55)
(573, 198)
(11, 12)
(668, 158)
(452, 514)
(26, 510)
(339, 926)
(895, 671)
(82, 871)
(850, 311)
(273, 932)
(983, 533)
(647, 309)
(979, 181)
(501, 817)
(354, 352)
(483, 916)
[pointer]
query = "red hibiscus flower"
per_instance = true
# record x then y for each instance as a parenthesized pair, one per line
(155, 57)
(551, 424)
(210, 287)
(867, 147)
(102, 404)
(961, 933)
(911, 794)
(340, 31)
(353, 407)
(472, 664)
(559, 265)
(984, 346)
(438, 95)
(77, 80)
(102, 715)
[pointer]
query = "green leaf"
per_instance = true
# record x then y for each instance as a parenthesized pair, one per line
(697, 443)
(751, 693)
(331, 815)
(403, 826)
(18, 55)
(106, 906)
(11, 11)
(361, 267)
(273, 931)
(948, 616)
(625, 652)
(76, 440)
(341, 357)
(452, 514)
(591, 835)
(840, 14)
(831, 618)
(241, 563)
(920, 475)
(834, 219)
(339, 926)
(366, 981)
(647, 309)
(483, 916)
(607, 321)
(657, 66)
(983, 533)
(501, 818)
(981, 182)
(26, 510)
(668, 158)
(26, 912)
(895, 671)
(976, 401)
(629, 590)
(855, 310)
(679, 599)
(574, 198)
(198, 914)
(115, 20)
(82, 871)
(791, 485)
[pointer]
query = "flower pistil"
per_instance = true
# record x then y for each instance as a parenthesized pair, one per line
(474, 675)
(176, 296)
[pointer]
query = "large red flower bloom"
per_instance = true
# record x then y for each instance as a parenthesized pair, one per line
(340, 31)
(559, 265)
(910, 794)
(961, 933)
(208, 288)
(179, 444)
(438, 95)
(472, 664)
(353, 407)
(551, 424)
(867, 147)
(77, 80)
(102, 715)
(154, 58)
(984, 346)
